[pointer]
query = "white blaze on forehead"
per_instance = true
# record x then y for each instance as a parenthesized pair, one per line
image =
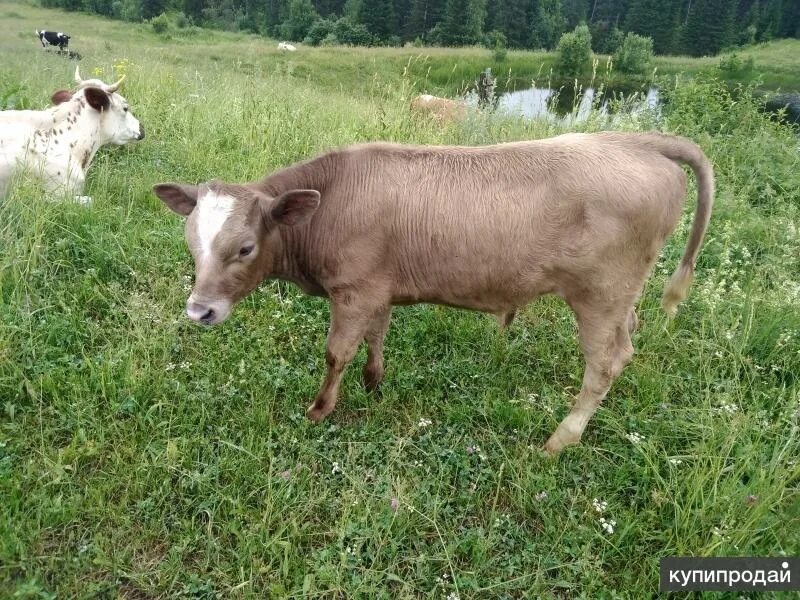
(212, 211)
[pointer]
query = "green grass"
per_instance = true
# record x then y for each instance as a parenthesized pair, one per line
(144, 457)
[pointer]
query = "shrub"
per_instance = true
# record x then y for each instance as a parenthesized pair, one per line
(160, 24)
(574, 52)
(635, 55)
(331, 40)
(736, 67)
(352, 34)
(748, 36)
(499, 53)
(321, 29)
(496, 42)
(182, 21)
(494, 39)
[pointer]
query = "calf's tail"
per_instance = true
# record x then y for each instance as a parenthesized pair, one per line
(687, 152)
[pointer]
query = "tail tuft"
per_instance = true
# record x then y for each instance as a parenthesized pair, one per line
(677, 288)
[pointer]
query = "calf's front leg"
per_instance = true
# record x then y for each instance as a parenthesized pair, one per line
(349, 325)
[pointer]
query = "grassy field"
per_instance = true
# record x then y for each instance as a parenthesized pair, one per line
(144, 457)
(434, 70)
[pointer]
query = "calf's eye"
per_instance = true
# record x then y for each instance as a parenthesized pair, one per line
(246, 250)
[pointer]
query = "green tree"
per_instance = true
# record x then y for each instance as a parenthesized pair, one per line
(611, 11)
(511, 18)
(546, 22)
(574, 12)
(709, 26)
(378, 17)
(194, 9)
(152, 8)
(770, 25)
(657, 19)
(463, 22)
(299, 19)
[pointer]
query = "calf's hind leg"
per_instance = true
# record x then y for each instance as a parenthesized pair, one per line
(606, 344)
(373, 369)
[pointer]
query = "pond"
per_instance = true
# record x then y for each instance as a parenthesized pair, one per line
(567, 105)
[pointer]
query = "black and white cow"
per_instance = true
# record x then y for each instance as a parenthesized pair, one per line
(54, 38)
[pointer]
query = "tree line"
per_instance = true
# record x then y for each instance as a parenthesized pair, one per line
(695, 27)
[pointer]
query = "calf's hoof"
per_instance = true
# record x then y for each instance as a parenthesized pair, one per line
(558, 441)
(372, 380)
(317, 412)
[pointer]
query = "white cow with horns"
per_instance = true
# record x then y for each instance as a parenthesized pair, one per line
(58, 144)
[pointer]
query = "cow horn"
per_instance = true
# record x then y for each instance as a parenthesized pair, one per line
(78, 79)
(113, 87)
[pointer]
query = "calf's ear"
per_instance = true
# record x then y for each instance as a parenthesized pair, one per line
(60, 96)
(97, 98)
(294, 207)
(180, 198)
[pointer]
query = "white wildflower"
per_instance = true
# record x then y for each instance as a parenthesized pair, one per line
(608, 525)
(635, 438)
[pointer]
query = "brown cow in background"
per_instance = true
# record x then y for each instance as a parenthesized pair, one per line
(443, 110)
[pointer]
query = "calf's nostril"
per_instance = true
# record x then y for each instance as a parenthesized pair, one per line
(208, 316)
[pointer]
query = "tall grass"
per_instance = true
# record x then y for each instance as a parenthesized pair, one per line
(141, 456)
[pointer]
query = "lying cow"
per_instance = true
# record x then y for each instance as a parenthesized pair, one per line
(58, 144)
(443, 110)
(286, 46)
(490, 229)
(53, 38)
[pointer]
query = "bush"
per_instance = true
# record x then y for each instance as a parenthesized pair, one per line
(635, 55)
(160, 24)
(748, 36)
(736, 67)
(182, 21)
(496, 42)
(352, 34)
(499, 53)
(331, 40)
(574, 52)
(495, 38)
(320, 29)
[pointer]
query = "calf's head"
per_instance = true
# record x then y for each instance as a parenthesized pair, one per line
(117, 123)
(233, 234)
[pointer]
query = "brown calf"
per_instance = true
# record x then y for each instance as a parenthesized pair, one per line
(489, 229)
